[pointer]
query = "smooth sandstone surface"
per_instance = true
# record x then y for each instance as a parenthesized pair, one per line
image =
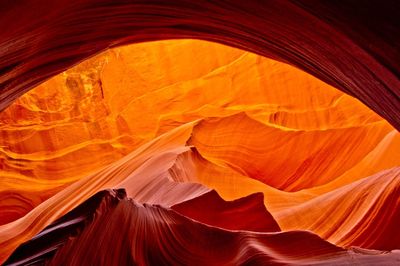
(197, 128)
(155, 235)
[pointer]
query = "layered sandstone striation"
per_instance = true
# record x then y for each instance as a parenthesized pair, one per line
(204, 139)
(136, 234)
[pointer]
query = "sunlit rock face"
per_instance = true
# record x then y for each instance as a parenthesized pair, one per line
(205, 139)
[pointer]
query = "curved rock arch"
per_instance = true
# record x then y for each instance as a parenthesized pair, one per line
(351, 45)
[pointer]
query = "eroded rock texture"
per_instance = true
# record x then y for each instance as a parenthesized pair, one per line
(224, 156)
(155, 235)
(238, 123)
(352, 46)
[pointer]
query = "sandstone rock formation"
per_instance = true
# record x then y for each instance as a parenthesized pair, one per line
(192, 152)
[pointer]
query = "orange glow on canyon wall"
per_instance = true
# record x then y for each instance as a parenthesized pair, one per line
(210, 138)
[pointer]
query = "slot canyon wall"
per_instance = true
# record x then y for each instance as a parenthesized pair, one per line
(185, 151)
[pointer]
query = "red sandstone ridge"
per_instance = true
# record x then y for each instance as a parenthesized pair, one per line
(44, 245)
(248, 213)
(135, 234)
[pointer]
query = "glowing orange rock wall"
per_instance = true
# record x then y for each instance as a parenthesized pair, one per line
(102, 109)
(169, 121)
